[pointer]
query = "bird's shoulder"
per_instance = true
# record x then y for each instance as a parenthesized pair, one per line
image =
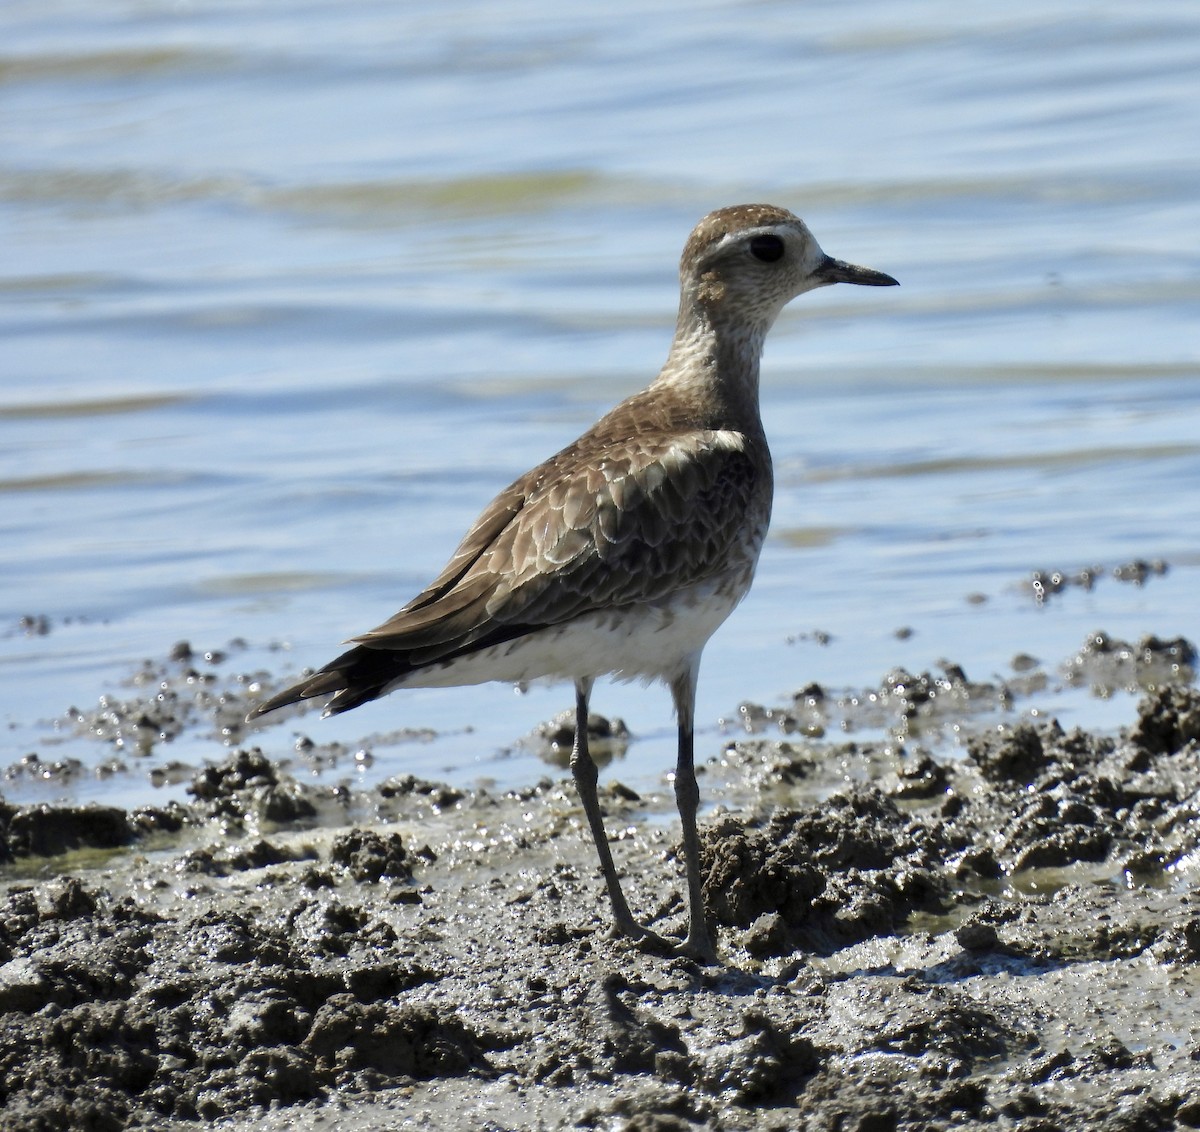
(646, 437)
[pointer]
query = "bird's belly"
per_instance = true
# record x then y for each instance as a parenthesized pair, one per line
(636, 642)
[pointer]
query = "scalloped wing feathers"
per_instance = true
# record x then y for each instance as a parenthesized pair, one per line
(577, 535)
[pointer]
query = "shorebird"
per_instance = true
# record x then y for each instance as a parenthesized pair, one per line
(621, 554)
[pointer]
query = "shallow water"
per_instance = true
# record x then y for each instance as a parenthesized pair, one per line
(288, 294)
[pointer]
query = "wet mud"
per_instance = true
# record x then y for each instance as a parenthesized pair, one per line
(1005, 937)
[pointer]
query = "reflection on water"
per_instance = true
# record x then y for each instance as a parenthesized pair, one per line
(109, 406)
(1080, 458)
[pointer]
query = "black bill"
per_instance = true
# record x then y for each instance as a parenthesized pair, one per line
(838, 271)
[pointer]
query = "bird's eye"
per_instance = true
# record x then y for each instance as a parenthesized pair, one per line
(769, 249)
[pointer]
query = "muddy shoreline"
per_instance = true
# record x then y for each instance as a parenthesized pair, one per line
(1007, 939)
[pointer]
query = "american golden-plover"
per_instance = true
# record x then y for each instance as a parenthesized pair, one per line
(620, 555)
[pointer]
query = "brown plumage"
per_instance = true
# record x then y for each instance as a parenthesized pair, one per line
(624, 551)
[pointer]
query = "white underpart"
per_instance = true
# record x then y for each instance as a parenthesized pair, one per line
(643, 642)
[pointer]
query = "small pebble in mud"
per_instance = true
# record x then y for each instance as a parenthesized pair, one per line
(977, 937)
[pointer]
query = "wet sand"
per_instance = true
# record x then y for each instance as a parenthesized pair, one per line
(1007, 938)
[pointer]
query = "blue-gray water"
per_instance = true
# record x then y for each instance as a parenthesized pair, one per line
(287, 292)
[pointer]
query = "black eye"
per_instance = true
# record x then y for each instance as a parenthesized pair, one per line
(767, 248)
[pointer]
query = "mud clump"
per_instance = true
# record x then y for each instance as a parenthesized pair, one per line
(185, 691)
(1064, 798)
(922, 778)
(439, 795)
(748, 875)
(822, 878)
(1016, 756)
(1045, 583)
(905, 703)
(1106, 663)
(369, 856)
(221, 861)
(554, 738)
(630, 1040)
(763, 1063)
(246, 787)
(348, 1037)
(1168, 720)
(121, 1011)
(48, 831)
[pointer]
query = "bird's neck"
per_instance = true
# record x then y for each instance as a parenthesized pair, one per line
(715, 365)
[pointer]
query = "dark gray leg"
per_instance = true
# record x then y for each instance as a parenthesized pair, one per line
(687, 796)
(586, 775)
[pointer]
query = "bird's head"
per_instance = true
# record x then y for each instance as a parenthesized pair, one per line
(746, 262)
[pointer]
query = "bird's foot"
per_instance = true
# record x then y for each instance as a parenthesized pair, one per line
(703, 953)
(646, 938)
(696, 946)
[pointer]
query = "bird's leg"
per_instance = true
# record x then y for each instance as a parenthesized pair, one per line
(698, 943)
(584, 770)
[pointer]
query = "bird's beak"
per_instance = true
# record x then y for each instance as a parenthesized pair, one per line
(833, 270)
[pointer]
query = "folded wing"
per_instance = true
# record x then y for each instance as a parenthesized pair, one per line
(571, 537)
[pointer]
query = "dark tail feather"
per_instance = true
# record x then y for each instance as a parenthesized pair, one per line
(366, 671)
(355, 678)
(318, 684)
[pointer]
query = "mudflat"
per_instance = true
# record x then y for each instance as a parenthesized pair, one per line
(1008, 937)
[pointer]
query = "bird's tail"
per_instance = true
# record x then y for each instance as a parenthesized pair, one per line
(356, 677)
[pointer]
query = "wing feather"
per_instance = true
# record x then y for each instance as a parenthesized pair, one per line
(665, 507)
(670, 518)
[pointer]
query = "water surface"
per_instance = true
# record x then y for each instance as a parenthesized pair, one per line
(289, 292)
